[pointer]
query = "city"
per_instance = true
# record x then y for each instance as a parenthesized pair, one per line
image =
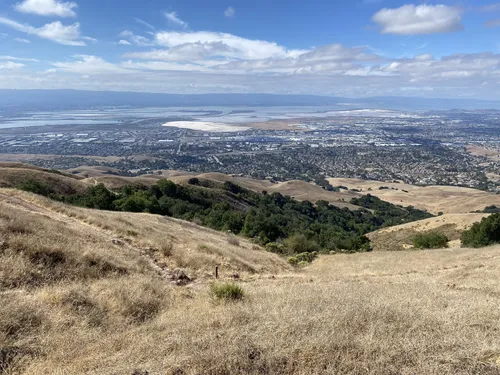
(458, 148)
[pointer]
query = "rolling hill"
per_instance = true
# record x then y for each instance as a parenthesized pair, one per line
(13, 174)
(435, 199)
(96, 292)
(297, 189)
(399, 237)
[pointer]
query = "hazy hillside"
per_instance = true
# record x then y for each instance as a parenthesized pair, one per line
(13, 174)
(299, 190)
(435, 199)
(94, 292)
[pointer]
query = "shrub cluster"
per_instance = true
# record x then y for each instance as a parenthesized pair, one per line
(430, 240)
(484, 233)
(266, 218)
(227, 291)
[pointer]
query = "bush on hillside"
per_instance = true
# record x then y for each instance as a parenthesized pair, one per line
(430, 240)
(484, 233)
(299, 243)
(35, 186)
(227, 291)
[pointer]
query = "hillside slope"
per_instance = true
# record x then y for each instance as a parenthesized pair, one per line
(435, 199)
(97, 292)
(399, 237)
(12, 174)
(297, 189)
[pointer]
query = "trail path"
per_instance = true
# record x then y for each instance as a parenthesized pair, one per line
(33, 207)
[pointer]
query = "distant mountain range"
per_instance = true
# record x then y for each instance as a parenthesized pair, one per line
(22, 100)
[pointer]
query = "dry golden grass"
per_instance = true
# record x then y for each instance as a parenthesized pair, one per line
(300, 190)
(12, 174)
(297, 189)
(435, 199)
(418, 312)
(490, 153)
(400, 237)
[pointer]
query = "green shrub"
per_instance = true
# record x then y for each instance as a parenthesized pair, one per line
(274, 247)
(298, 243)
(430, 240)
(36, 187)
(303, 264)
(484, 233)
(227, 291)
(293, 261)
(307, 257)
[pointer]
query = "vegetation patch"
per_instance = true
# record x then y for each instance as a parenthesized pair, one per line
(227, 291)
(484, 233)
(430, 240)
(266, 218)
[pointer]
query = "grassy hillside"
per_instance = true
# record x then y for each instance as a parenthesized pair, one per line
(287, 225)
(434, 199)
(400, 237)
(95, 292)
(14, 174)
(299, 190)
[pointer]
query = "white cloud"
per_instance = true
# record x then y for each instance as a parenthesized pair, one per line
(419, 19)
(138, 40)
(11, 65)
(12, 58)
(186, 52)
(233, 46)
(22, 40)
(87, 64)
(197, 62)
(173, 19)
(148, 25)
(47, 8)
(229, 12)
(89, 39)
(55, 31)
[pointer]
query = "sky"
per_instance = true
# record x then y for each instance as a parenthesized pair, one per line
(355, 48)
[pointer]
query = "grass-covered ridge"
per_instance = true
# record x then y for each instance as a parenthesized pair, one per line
(266, 218)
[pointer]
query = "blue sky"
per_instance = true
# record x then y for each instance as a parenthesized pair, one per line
(349, 48)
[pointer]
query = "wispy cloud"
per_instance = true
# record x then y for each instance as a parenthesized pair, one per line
(89, 39)
(124, 42)
(11, 65)
(419, 19)
(229, 12)
(173, 19)
(57, 32)
(138, 40)
(22, 40)
(144, 23)
(47, 8)
(12, 58)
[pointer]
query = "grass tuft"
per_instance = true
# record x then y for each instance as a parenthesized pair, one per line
(227, 292)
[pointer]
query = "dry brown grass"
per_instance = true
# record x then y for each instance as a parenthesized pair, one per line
(418, 312)
(297, 189)
(435, 199)
(13, 174)
(400, 237)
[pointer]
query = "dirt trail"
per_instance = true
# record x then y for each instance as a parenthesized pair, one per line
(175, 276)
